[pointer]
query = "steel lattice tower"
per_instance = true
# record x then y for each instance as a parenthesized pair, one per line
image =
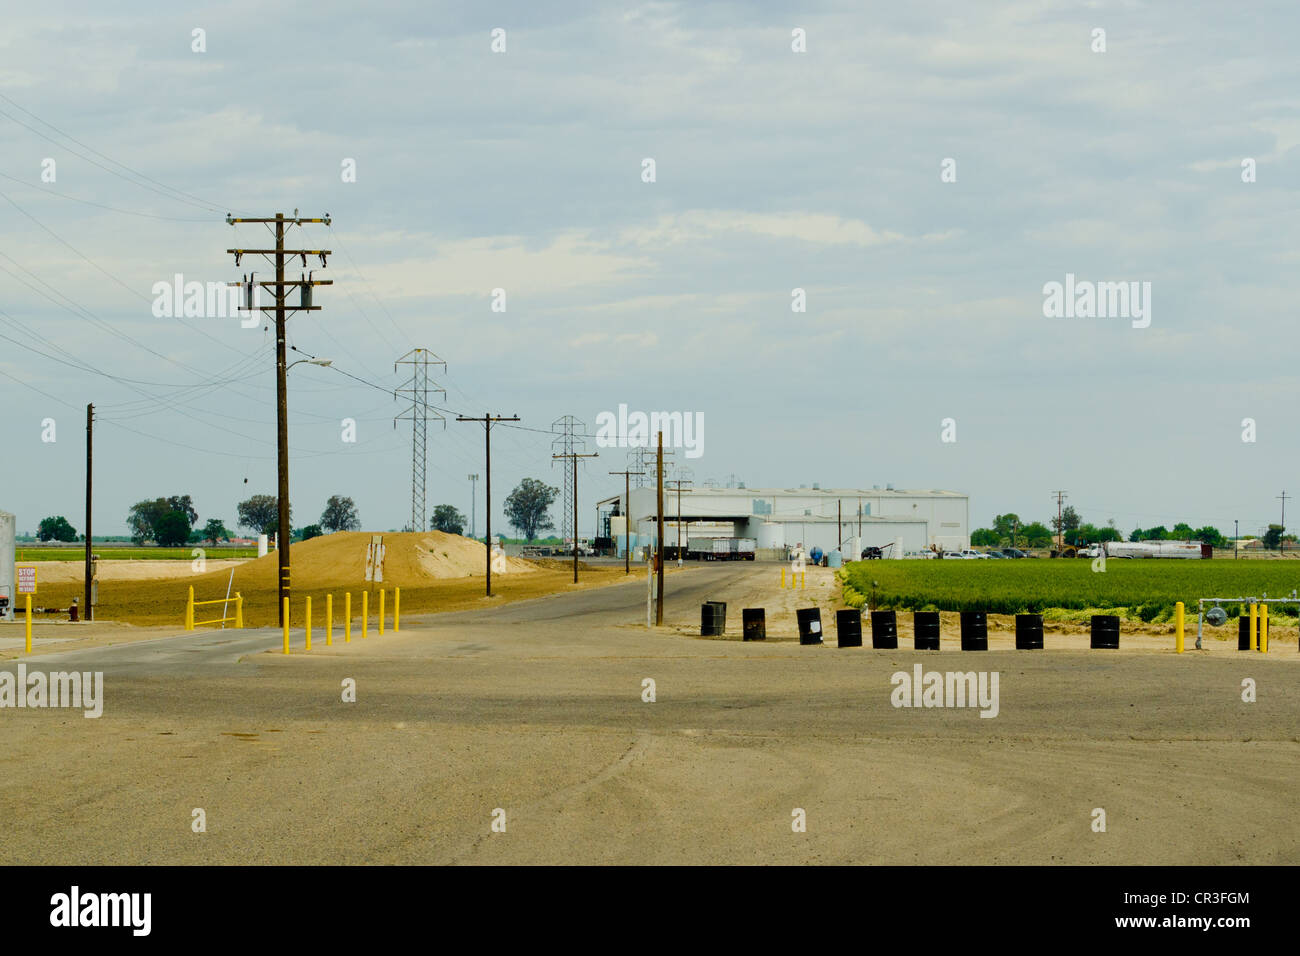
(418, 388)
(568, 443)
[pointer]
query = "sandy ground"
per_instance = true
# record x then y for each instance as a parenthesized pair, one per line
(536, 708)
(73, 572)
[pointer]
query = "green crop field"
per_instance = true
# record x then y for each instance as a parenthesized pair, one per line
(110, 553)
(1142, 589)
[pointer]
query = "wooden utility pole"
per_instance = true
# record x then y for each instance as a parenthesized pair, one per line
(277, 256)
(488, 421)
(659, 556)
(575, 456)
(88, 612)
(1060, 527)
(679, 482)
(627, 517)
(1281, 538)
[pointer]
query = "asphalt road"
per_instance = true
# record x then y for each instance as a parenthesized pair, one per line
(539, 710)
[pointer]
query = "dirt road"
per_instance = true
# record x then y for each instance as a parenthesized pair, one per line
(537, 709)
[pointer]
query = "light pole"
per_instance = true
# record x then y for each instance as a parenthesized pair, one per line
(282, 494)
(472, 486)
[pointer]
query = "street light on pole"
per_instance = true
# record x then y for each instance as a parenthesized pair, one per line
(473, 479)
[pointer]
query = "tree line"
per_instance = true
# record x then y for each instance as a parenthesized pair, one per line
(1009, 531)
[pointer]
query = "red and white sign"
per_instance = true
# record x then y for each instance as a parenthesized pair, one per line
(26, 580)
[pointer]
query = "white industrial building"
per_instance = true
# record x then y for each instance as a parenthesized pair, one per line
(779, 518)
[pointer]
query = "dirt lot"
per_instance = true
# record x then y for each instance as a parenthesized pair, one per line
(538, 709)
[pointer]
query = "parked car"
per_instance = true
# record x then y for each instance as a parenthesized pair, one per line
(1013, 553)
(968, 553)
(953, 554)
(994, 554)
(1090, 551)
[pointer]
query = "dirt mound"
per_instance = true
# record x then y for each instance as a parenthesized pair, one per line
(339, 561)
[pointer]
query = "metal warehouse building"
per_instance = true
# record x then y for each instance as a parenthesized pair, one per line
(777, 518)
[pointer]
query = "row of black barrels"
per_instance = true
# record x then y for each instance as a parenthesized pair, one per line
(884, 628)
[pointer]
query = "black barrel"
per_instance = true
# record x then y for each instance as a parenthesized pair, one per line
(713, 618)
(1105, 631)
(884, 630)
(925, 625)
(1243, 633)
(974, 631)
(848, 627)
(810, 625)
(1029, 632)
(754, 622)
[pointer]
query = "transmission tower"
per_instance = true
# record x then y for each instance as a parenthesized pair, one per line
(418, 388)
(567, 444)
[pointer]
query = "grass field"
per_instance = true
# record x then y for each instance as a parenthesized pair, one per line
(1137, 589)
(108, 552)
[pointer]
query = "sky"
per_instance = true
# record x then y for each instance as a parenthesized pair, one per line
(920, 171)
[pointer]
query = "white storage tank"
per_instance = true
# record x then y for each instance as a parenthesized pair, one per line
(8, 584)
(771, 534)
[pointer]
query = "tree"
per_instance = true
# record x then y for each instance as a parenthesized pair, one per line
(1182, 532)
(309, 532)
(56, 529)
(527, 505)
(1007, 526)
(142, 520)
(172, 529)
(984, 538)
(215, 530)
(1210, 535)
(261, 513)
(1068, 520)
(447, 518)
(1109, 533)
(1036, 535)
(340, 514)
(1273, 536)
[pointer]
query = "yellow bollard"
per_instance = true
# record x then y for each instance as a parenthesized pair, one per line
(329, 620)
(347, 617)
(1178, 626)
(29, 624)
(189, 610)
(1254, 627)
(783, 579)
(397, 608)
(365, 612)
(1263, 628)
(307, 646)
(381, 611)
(803, 580)
(239, 610)
(286, 625)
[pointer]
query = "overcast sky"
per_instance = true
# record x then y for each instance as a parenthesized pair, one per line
(774, 170)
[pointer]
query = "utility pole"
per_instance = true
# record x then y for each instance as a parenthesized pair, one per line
(627, 517)
(418, 413)
(1060, 529)
(839, 525)
(88, 612)
(659, 556)
(472, 480)
(488, 421)
(574, 455)
(679, 482)
(1235, 534)
(305, 285)
(1281, 539)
